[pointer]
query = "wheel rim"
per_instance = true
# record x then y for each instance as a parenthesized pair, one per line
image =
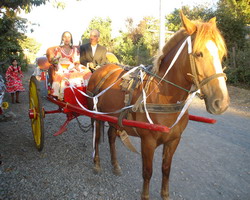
(35, 105)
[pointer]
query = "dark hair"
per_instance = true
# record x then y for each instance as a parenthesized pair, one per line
(71, 45)
(14, 59)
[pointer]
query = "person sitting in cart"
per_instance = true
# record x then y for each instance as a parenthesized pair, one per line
(66, 69)
(92, 54)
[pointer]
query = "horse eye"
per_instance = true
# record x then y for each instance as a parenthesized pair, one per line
(199, 54)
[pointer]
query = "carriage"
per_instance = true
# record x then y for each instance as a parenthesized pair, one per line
(147, 102)
(73, 105)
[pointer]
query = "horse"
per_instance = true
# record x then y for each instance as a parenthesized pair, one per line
(196, 68)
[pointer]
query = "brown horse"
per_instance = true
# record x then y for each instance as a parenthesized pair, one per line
(200, 68)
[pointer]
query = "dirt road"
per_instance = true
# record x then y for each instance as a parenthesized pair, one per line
(212, 162)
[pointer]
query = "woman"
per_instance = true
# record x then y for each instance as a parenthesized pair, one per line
(13, 81)
(66, 68)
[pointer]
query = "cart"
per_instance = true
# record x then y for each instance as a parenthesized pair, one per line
(73, 105)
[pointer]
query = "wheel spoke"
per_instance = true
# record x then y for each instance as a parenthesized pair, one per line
(37, 122)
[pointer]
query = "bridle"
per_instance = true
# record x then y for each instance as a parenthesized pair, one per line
(194, 74)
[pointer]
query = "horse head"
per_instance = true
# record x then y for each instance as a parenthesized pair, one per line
(205, 69)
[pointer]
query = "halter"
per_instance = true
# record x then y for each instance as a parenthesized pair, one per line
(194, 70)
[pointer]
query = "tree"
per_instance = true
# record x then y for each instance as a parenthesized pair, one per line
(200, 12)
(140, 43)
(13, 29)
(104, 27)
(30, 48)
(233, 19)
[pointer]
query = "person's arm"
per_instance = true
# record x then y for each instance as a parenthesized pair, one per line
(52, 57)
(104, 57)
(50, 54)
(9, 72)
(83, 60)
(20, 72)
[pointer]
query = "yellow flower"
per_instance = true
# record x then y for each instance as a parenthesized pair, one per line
(5, 105)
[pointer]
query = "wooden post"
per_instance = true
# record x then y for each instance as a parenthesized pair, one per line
(234, 57)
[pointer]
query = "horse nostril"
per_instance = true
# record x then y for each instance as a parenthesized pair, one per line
(217, 104)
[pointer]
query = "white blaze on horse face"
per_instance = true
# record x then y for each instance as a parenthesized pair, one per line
(212, 48)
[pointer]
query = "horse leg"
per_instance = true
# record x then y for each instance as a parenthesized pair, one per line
(168, 152)
(114, 162)
(147, 151)
(97, 166)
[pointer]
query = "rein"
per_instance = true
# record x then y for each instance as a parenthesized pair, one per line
(161, 78)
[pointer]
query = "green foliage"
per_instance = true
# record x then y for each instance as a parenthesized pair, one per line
(104, 27)
(125, 50)
(21, 4)
(30, 47)
(12, 31)
(9, 35)
(139, 44)
(240, 73)
(200, 12)
(134, 47)
(232, 19)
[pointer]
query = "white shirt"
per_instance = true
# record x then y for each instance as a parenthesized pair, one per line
(93, 49)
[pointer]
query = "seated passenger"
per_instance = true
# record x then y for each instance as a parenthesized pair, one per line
(66, 69)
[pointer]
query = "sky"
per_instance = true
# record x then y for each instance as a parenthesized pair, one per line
(75, 17)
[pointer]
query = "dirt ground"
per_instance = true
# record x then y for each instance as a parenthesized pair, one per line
(240, 100)
(212, 166)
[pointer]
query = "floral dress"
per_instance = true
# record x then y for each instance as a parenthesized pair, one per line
(13, 79)
(69, 73)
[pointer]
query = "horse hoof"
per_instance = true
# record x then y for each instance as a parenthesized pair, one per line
(97, 170)
(117, 171)
(165, 196)
(144, 197)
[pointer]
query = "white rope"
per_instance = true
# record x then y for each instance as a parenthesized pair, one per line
(185, 107)
(192, 95)
(188, 40)
(144, 99)
(95, 98)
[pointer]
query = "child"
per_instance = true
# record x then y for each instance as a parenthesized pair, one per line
(13, 81)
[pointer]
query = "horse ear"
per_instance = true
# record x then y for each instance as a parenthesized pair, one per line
(187, 24)
(213, 20)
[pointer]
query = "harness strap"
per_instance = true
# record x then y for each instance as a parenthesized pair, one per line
(194, 71)
(127, 100)
(126, 141)
(138, 103)
(194, 75)
(206, 80)
(162, 108)
(99, 85)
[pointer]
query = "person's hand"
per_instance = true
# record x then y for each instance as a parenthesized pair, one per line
(55, 67)
(91, 65)
(77, 66)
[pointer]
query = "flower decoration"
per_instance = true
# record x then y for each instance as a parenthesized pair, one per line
(55, 60)
(5, 105)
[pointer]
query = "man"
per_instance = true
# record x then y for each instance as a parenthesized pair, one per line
(92, 55)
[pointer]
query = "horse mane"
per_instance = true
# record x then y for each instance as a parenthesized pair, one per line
(205, 31)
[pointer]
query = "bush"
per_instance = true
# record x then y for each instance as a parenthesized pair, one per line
(239, 74)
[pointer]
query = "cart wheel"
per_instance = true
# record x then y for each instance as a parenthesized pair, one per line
(36, 113)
